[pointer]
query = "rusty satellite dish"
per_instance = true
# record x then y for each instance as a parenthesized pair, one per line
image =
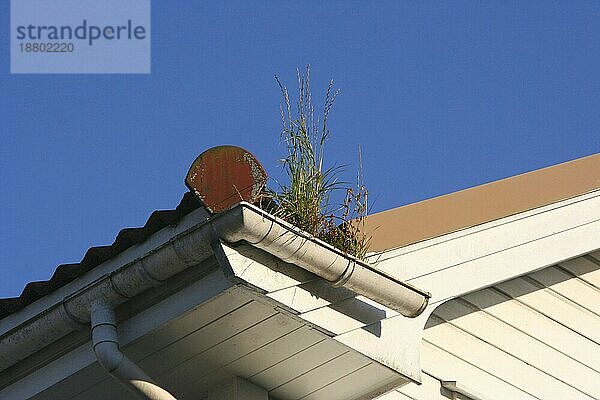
(224, 176)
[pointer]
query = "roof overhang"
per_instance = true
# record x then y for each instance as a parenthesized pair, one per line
(242, 268)
(215, 296)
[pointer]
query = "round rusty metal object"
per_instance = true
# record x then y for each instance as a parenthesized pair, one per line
(225, 175)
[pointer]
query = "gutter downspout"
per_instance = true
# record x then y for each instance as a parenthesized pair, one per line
(105, 342)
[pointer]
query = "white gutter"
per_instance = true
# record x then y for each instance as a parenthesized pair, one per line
(248, 223)
(105, 342)
(243, 222)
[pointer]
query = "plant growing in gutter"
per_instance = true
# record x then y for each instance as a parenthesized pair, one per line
(308, 199)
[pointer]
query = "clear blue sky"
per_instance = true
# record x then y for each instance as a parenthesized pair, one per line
(440, 95)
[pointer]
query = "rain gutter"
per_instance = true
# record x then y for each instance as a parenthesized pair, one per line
(242, 223)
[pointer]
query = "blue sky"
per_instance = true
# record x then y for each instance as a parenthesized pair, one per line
(440, 95)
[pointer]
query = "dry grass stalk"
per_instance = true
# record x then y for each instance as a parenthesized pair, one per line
(307, 200)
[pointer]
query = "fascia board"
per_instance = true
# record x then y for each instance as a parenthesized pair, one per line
(458, 263)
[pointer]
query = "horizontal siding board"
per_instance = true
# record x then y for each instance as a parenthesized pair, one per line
(275, 352)
(498, 363)
(555, 307)
(537, 325)
(206, 337)
(595, 255)
(103, 390)
(447, 366)
(252, 338)
(298, 364)
(585, 269)
(536, 336)
(229, 350)
(257, 360)
(520, 345)
(572, 288)
(199, 317)
(66, 389)
(320, 376)
(369, 379)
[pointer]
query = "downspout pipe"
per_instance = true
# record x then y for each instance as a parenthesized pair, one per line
(105, 342)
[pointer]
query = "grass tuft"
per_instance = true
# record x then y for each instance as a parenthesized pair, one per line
(307, 200)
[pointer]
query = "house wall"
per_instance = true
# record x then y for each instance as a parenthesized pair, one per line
(533, 337)
(529, 337)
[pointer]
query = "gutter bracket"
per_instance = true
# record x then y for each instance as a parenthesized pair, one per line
(345, 276)
(222, 259)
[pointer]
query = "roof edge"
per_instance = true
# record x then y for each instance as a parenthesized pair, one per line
(466, 208)
(243, 222)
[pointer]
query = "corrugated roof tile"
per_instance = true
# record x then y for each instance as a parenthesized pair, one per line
(95, 256)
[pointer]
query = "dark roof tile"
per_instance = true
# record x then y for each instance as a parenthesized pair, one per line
(95, 256)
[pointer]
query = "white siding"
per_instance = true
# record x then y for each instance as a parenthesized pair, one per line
(533, 337)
